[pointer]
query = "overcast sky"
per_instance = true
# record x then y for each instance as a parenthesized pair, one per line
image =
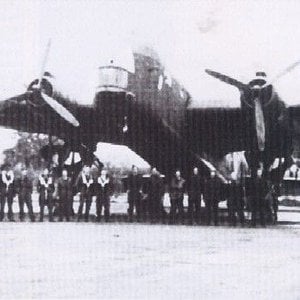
(234, 37)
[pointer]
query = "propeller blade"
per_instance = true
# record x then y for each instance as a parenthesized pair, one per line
(44, 63)
(61, 110)
(19, 98)
(286, 71)
(227, 79)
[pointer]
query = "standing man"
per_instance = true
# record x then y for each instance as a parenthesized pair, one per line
(237, 166)
(24, 188)
(235, 202)
(85, 183)
(65, 195)
(134, 193)
(7, 192)
(46, 190)
(156, 193)
(177, 186)
(103, 190)
(194, 200)
(259, 190)
(212, 194)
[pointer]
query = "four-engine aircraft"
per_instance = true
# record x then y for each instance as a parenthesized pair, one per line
(139, 105)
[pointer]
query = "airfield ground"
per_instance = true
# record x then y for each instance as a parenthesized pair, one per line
(142, 261)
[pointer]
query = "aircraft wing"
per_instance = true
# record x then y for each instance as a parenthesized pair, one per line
(36, 116)
(218, 131)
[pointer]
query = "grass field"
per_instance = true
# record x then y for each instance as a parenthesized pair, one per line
(143, 261)
(133, 261)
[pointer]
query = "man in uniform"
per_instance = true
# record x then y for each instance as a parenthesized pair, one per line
(7, 192)
(65, 195)
(177, 186)
(237, 166)
(46, 190)
(85, 184)
(194, 200)
(155, 195)
(24, 188)
(259, 190)
(235, 202)
(103, 191)
(134, 193)
(212, 194)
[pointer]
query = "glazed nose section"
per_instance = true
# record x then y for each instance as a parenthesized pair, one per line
(114, 69)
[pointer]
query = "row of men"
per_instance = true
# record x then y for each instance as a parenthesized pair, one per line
(64, 188)
(210, 190)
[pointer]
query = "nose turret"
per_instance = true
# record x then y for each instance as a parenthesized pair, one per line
(113, 70)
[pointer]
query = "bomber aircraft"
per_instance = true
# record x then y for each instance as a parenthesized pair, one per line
(139, 105)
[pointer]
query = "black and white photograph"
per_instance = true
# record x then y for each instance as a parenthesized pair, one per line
(150, 149)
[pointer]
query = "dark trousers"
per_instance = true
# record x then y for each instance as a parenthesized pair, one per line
(65, 206)
(258, 206)
(46, 200)
(155, 207)
(274, 203)
(194, 207)
(6, 197)
(235, 205)
(87, 199)
(103, 201)
(25, 198)
(176, 205)
(134, 201)
(275, 206)
(211, 207)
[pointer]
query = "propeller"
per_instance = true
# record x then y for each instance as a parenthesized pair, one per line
(243, 87)
(35, 90)
(44, 64)
(57, 107)
(61, 110)
(285, 71)
(227, 79)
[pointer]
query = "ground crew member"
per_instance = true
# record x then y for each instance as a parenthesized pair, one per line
(195, 192)
(259, 190)
(85, 183)
(235, 202)
(155, 197)
(237, 166)
(177, 186)
(212, 194)
(46, 190)
(7, 192)
(103, 191)
(65, 195)
(24, 188)
(134, 193)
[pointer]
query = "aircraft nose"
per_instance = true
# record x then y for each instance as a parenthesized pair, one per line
(115, 113)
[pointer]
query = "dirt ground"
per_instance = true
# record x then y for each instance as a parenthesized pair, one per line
(142, 261)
